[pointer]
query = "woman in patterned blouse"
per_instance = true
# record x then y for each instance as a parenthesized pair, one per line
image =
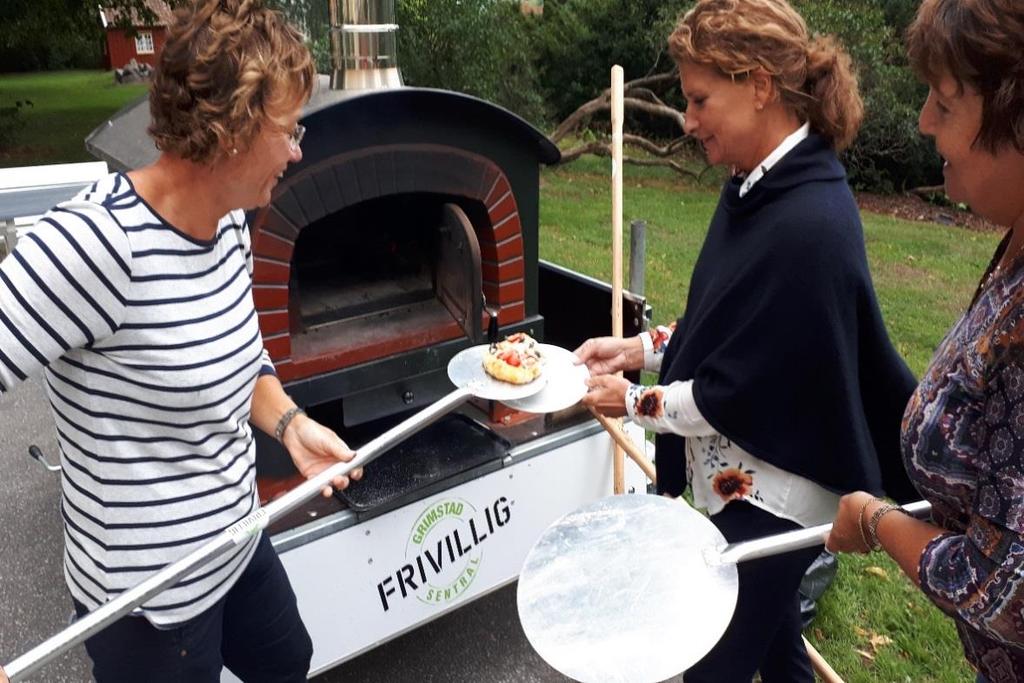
(763, 376)
(963, 430)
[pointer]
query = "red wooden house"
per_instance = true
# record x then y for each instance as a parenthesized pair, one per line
(148, 39)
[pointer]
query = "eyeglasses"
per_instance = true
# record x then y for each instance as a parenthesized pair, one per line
(295, 137)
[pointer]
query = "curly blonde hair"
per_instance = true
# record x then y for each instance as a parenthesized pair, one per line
(228, 66)
(979, 43)
(814, 76)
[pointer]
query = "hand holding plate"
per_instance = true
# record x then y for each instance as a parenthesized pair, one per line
(607, 395)
(608, 355)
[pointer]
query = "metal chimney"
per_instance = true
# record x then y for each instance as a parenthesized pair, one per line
(364, 46)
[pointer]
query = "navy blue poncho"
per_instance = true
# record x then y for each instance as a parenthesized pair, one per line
(783, 336)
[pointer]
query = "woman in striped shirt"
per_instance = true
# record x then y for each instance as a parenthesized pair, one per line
(135, 300)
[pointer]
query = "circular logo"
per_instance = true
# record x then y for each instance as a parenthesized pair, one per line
(445, 540)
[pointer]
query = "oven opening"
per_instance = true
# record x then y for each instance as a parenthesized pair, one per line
(386, 275)
(367, 260)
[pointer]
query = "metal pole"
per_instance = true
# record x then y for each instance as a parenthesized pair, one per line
(793, 540)
(637, 256)
(104, 616)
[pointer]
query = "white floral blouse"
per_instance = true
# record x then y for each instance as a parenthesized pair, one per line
(718, 470)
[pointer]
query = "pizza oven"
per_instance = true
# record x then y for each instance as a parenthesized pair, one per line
(410, 222)
(411, 219)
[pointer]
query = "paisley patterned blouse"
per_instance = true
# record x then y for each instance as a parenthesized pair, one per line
(963, 446)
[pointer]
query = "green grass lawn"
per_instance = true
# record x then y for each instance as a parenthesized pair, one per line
(873, 625)
(67, 105)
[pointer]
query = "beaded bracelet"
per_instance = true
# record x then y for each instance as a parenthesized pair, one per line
(286, 420)
(875, 519)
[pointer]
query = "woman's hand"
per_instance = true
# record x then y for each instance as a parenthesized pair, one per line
(3, 676)
(849, 530)
(608, 355)
(314, 448)
(607, 394)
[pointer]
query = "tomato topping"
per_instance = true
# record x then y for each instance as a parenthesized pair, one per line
(511, 356)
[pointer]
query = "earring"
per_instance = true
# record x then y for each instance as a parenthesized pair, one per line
(758, 106)
(234, 151)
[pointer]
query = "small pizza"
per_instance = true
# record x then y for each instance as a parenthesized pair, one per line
(515, 360)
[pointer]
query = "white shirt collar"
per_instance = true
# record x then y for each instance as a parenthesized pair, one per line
(791, 141)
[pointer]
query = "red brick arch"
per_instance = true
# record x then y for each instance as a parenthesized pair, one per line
(369, 173)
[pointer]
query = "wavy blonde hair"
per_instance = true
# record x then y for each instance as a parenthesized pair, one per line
(227, 68)
(814, 76)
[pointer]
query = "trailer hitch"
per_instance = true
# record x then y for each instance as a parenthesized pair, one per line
(37, 453)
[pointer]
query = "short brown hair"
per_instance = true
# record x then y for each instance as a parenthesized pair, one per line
(814, 76)
(226, 67)
(979, 43)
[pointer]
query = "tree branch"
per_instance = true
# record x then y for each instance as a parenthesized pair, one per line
(639, 97)
(646, 94)
(601, 149)
(927, 192)
(602, 102)
(656, 109)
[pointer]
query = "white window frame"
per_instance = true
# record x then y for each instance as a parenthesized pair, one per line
(144, 43)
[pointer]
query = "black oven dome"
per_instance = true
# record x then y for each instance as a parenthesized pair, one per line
(338, 120)
(366, 118)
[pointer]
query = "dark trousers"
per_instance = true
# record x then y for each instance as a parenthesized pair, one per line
(255, 631)
(764, 634)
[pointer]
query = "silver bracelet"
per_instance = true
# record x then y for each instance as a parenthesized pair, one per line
(286, 420)
(875, 519)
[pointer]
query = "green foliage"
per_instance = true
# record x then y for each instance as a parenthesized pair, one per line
(889, 153)
(480, 47)
(899, 14)
(49, 34)
(313, 19)
(544, 67)
(578, 41)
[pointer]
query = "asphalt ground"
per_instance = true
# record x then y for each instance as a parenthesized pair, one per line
(482, 641)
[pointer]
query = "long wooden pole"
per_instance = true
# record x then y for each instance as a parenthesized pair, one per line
(824, 670)
(614, 429)
(618, 461)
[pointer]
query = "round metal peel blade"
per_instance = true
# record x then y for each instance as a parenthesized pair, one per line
(620, 590)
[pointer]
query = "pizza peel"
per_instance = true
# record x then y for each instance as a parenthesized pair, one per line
(638, 587)
(468, 383)
(560, 385)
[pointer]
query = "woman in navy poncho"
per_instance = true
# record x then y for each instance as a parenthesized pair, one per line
(779, 389)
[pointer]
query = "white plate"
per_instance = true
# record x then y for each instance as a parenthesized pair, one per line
(566, 383)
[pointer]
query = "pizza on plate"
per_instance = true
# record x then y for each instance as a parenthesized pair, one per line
(515, 360)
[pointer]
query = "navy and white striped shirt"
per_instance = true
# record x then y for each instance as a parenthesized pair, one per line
(151, 348)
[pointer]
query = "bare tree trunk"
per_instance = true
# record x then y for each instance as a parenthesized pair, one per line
(927, 192)
(639, 96)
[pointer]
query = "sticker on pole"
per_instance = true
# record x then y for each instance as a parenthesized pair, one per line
(249, 526)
